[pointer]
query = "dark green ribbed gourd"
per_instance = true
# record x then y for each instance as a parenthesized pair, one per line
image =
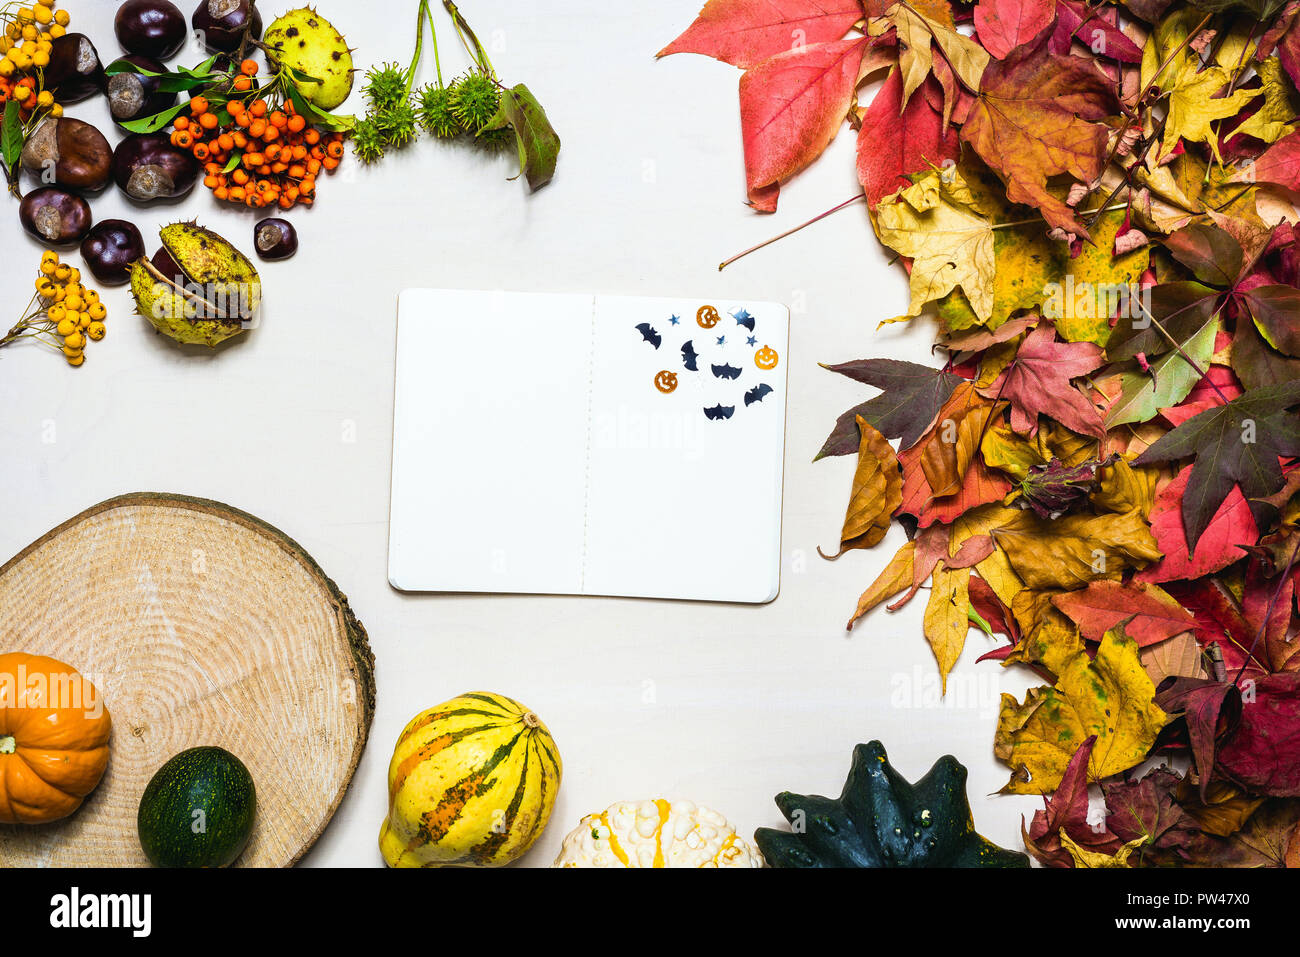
(882, 820)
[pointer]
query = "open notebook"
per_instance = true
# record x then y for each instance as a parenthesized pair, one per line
(591, 445)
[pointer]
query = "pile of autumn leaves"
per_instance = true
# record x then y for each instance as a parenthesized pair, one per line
(1094, 201)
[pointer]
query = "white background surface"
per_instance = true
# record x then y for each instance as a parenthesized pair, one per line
(723, 705)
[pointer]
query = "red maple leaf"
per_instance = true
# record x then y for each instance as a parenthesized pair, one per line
(896, 141)
(744, 33)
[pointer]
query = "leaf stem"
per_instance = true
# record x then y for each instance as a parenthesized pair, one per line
(790, 232)
(1203, 374)
(433, 31)
(419, 46)
(463, 29)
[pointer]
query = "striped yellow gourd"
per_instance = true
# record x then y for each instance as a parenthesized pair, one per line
(472, 782)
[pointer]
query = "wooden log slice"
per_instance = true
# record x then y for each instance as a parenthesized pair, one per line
(199, 624)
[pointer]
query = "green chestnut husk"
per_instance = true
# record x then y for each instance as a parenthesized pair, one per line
(217, 291)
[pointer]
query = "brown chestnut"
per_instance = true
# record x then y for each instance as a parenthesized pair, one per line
(75, 72)
(152, 28)
(110, 248)
(67, 152)
(222, 23)
(55, 216)
(275, 239)
(132, 96)
(146, 166)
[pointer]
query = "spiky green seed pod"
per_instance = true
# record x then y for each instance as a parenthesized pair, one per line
(495, 140)
(385, 87)
(435, 113)
(475, 100)
(368, 140)
(397, 124)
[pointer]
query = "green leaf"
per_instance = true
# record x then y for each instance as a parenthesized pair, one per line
(152, 124)
(1181, 309)
(235, 159)
(180, 81)
(318, 117)
(1144, 394)
(126, 66)
(11, 135)
(300, 76)
(204, 68)
(535, 138)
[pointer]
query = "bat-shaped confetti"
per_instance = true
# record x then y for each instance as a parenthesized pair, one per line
(649, 335)
(720, 412)
(689, 356)
(743, 318)
(726, 372)
(756, 394)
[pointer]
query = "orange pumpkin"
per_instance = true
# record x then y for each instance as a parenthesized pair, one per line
(54, 733)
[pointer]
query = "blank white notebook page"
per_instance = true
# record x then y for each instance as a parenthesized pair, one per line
(595, 445)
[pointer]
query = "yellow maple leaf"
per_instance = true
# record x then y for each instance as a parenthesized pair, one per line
(1195, 106)
(936, 223)
(1110, 696)
(1276, 118)
(947, 617)
(1095, 859)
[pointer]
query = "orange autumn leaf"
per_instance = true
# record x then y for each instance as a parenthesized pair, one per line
(979, 484)
(897, 575)
(1038, 116)
(877, 491)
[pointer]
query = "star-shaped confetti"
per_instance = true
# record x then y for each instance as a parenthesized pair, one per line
(752, 341)
(675, 321)
(722, 340)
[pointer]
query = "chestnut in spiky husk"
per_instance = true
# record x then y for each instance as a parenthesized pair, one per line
(147, 167)
(275, 239)
(132, 96)
(110, 248)
(222, 23)
(75, 72)
(198, 288)
(67, 152)
(152, 28)
(55, 216)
